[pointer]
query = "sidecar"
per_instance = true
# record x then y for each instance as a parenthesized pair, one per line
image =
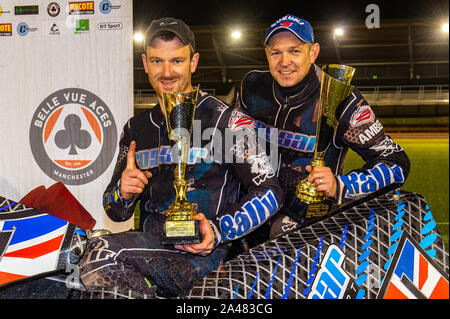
(383, 246)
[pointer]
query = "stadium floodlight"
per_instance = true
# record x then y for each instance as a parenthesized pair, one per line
(445, 27)
(338, 32)
(236, 34)
(138, 37)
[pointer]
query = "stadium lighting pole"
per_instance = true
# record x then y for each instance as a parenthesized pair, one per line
(236, 34)
(338, 32)
(445, 27)
(138, 37)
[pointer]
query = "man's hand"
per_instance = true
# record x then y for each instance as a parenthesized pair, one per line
(207, 245)
(133, 180)
(323, 179)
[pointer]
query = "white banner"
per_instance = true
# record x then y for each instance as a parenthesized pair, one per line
(66, 90)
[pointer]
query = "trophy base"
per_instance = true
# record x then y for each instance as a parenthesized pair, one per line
(316, 210)
(308, 193)
(298, 210)
(181, 232)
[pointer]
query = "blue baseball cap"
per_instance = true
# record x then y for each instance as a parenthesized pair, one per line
(299, 27)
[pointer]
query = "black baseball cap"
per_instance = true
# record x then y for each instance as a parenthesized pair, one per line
(176, 26)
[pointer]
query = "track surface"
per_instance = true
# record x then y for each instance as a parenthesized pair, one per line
(418, 135)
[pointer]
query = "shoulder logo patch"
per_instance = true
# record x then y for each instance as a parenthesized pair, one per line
(363, 115)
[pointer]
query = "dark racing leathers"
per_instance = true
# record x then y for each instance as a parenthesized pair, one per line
(215, 172)
(293, 111)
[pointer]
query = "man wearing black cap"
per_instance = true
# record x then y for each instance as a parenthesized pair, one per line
(286, 98)
(176, 75)
(144, 173)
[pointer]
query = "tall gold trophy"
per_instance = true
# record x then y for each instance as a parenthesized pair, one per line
(335, 88)
(180, 226)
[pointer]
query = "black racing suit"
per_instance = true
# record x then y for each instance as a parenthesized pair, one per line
(293, 111)
(216, 170)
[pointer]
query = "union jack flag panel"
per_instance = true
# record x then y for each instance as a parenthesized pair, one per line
(413, 274)
(31, 242)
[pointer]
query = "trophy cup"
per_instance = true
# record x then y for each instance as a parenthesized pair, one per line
(180, 226)
(335, 88)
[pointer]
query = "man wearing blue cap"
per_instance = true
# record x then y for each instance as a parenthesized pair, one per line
(286, 98)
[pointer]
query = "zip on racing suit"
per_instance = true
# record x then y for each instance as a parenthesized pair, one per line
(215, 171)
(293, 112)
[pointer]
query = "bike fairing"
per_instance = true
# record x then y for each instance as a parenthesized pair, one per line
(293, 112)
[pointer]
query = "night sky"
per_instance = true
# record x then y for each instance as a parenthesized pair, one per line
(222, 12)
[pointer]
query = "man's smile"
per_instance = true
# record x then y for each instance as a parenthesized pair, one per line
(168, 83)
(286, 72)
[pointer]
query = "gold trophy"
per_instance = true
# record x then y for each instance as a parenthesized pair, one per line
(180, 226)
(335, 88)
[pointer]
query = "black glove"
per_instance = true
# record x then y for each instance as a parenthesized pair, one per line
(295, 209)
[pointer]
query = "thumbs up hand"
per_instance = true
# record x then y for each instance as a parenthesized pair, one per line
(133, 180)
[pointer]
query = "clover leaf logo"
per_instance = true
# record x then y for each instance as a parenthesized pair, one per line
(72, 136)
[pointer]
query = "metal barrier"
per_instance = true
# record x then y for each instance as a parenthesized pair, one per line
(406, 95)
(146, 98)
